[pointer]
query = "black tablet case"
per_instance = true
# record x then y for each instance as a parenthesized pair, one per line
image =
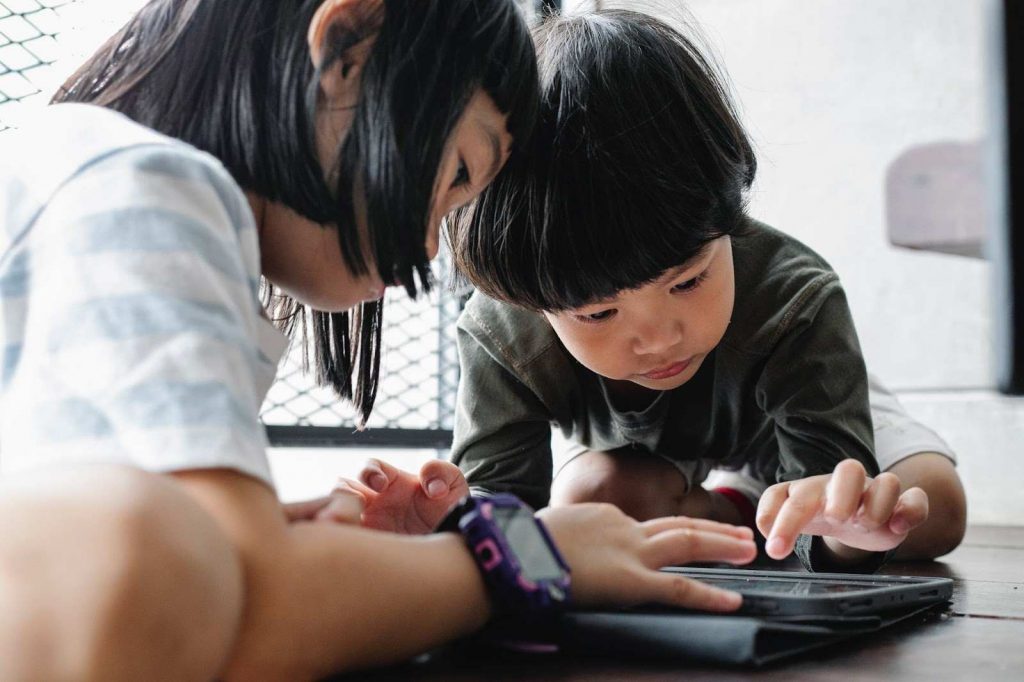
(724, 639)
(737, 640)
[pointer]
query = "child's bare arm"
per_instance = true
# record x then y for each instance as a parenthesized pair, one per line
(942, 532)
(325, 597)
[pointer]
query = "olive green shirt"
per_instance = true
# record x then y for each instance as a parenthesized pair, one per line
(785, 391)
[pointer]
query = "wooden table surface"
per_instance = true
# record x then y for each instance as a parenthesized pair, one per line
(980, 637)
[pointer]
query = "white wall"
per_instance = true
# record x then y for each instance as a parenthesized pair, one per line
(833, 91)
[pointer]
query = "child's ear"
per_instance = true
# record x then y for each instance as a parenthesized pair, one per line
(355, 15)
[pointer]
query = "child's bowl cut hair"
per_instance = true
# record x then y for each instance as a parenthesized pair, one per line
(235, 78)
(638, 161)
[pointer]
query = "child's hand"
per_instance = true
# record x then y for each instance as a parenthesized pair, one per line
(334, 508)
(399, 501)
(857, 511)
(615, 560)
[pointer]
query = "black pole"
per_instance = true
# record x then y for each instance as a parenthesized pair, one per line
(1006, 238)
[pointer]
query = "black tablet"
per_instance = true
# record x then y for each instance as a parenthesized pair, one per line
(788, 593)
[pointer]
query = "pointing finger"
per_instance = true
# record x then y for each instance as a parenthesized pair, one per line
(800, 508)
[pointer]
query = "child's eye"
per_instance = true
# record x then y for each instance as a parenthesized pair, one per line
(594, 318)
(690, 284)
(461, 175)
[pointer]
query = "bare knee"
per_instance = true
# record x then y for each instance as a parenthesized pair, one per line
(642, 486)
(111, 573)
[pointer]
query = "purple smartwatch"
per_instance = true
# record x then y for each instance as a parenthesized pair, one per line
(522, 568)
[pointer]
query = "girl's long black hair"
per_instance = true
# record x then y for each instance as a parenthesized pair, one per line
(234, 78)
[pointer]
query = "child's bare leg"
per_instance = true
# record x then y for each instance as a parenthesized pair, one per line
(109, 573)
(643, 486)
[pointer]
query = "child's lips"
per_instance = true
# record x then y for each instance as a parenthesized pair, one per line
(668, 371)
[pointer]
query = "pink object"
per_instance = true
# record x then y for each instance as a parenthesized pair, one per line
(935, 198)
(488, 545)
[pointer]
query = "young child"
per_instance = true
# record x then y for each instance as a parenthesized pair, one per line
(626, 299)
(316, 144)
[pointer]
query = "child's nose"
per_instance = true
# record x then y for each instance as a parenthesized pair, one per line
(657, 336)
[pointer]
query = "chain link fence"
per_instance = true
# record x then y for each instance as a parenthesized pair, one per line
(416, 397)
(28, 45)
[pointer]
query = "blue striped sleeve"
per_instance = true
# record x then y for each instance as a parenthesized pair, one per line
(141, 339)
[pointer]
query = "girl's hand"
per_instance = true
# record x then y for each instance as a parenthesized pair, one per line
(615, 560)
(395, 500)
(339, 509)
(847, 506)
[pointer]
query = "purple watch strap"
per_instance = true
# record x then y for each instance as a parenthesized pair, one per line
(507, 579)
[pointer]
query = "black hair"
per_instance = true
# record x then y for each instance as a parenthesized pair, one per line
(638, 161)
(235, 78)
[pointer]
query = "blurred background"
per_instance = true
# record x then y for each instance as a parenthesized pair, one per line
(837, 95)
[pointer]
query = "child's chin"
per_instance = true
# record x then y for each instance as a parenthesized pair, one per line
(662, 384)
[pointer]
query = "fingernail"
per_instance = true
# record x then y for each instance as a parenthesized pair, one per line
(899, 526)
(436, 488)
(378, 482)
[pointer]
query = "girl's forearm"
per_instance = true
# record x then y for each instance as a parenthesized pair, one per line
(352, 598)
(322, 598)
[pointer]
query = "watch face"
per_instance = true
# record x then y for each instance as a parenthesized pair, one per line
(531, 548)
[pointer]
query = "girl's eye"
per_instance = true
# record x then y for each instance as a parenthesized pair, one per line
(690, 284)
(461, 175)
(594, 318)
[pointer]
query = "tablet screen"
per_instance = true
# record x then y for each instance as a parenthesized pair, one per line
(783, 586)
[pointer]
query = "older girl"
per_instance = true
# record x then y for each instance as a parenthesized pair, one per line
(315, 143)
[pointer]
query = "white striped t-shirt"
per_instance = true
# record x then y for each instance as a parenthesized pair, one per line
(130, 322)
